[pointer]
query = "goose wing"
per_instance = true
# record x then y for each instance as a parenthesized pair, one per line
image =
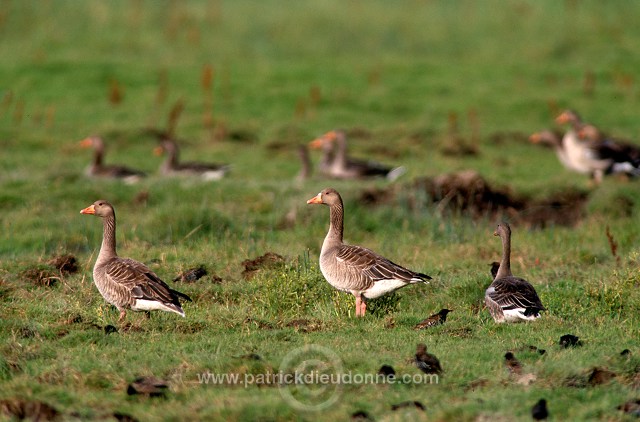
(374, 267)
(513, 293)
(140, 281)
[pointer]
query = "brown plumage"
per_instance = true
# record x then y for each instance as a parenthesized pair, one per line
(148, 386)
(337, 164)
(435, 319)
(355, 269)
(509, 298)
(99, 169)
(123, 282)
(427, 362)
(173, 167)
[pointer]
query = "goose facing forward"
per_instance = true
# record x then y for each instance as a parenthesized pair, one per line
(355, 269)
(123, 282)
(173, 167)
(337, 164)
(510, 298)
(99, 169)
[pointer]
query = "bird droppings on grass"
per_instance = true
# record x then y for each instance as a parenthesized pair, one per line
(269, 260)
(66, 264)
(29, 409)
(569, 340)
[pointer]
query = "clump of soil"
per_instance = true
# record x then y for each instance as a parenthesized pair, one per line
(39, 276)
(304, 325)
(66, 264)
(467, 192)
(192, 274)
(28, 409)
(267, 261)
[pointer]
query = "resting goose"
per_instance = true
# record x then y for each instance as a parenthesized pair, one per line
(509, 298)
(123, 282)
(99, 169)
(337, 164)
(172, 166)
(305, 163)
(622, 157)
(355, 269)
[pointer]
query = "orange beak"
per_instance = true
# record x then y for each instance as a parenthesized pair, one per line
(316, 199)
(158, 151)
(89, 210)
(86, 143)
(534, 138)
(495, 233)
(317, 143)
(562, 118)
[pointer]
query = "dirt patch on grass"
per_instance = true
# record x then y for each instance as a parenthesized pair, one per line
(66, 264)
(269, 260)
(304, 325)
(468, 193)
(28, 409)
(40, 276)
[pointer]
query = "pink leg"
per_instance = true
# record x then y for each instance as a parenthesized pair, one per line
(358, 302)
(123, 313)
(363, 307)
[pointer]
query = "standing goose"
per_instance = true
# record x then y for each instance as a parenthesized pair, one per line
(354, 269)
(622, 157)
(172, 166)
(123, 282)
(340, 166)
(509, 298)
(99, 169)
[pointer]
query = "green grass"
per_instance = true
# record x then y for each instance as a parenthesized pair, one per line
(284, 74)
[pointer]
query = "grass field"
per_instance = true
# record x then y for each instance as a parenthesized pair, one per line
(255, 80)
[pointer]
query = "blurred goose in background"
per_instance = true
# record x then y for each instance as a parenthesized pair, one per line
(354, 269)
(305, 164)
(99, 169)
(509, 298)
(123, 282)
(337, 164)
(173, 167)
(590, 152)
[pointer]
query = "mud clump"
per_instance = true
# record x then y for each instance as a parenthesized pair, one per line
(269, 260)
(66, 264)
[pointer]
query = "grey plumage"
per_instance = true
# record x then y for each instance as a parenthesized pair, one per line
(99, 169)
(172, 166)
(123, 282)
(355, 269)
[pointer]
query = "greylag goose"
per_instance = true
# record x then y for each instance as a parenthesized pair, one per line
(172, 165)
(622, 157)
(355, 269)
(337, 164)
(305, 163)
(427, 362)
(123, 282)
(509, 298)
(99, 169)
(433, 320)
(592, 156)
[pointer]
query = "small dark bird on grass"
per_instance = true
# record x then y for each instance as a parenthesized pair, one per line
(513, 364)
(387, 371)
(148, 386)
(406, 404)
(192, 274)
(109, 329)
(250, 356)
(539, 410)
(631, 407)
(435, 319)
(625, 353)
(360, 415)
(426, 362)
(569, 340)
(600, 376)
(494, 269)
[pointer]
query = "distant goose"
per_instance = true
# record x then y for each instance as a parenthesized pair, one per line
(99, 169)
(173, 167)
(305, 164)
(355, 269)
(509, 298)
(123, 282)
(589, 152)
(337, 164)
